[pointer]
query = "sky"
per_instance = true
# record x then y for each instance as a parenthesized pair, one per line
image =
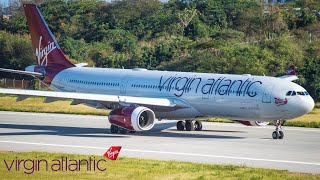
(6, 2)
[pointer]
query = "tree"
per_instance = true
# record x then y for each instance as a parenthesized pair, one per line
(310, 72)
(249, 18)
(186, 17)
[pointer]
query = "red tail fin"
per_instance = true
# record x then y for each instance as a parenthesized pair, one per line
(292, 70)
(46, 48)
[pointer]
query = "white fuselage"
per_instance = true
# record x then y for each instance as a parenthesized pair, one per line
(237, 97)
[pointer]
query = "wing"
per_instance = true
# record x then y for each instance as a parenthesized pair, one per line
(103, 99)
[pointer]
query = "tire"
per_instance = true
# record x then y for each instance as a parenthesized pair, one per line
(114, 129)
(275, 135)
(189, 125)
(198, 126)
(281, 135)
(123, 131)
(180, 126)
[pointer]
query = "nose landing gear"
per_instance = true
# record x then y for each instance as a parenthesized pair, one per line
(278, 134)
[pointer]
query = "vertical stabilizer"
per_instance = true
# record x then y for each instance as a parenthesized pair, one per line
(47, 50)
(292, 70)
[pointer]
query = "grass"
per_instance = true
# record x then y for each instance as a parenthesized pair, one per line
(311, 120)
(35, 104)
(130, 168)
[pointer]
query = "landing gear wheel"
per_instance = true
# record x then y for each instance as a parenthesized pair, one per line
(275, 135)
(123, 131)
(281, 135)
(189, 125)
(114, 129)
(198, 126)
(278, 134)
(180, 125)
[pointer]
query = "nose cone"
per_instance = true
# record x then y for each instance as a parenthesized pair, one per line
(298, 107)
(307, 105)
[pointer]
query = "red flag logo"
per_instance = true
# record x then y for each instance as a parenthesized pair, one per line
(280, 101)
(113, 152)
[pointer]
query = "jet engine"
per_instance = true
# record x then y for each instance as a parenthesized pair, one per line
(133, 118)
(254, 123)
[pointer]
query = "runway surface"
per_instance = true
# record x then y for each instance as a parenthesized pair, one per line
(218, 143)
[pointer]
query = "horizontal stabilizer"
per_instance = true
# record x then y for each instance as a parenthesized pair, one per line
(289, 77)
(291, 74)
(81, 65)
(22, 72)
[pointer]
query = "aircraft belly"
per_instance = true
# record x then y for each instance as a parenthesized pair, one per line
(229, 108)
(185, 113)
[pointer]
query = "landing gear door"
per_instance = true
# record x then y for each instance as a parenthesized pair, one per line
(266, 98)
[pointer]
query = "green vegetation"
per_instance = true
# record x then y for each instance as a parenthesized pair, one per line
(129, 168)
(214, 36)
(35, 104)
(311, 119)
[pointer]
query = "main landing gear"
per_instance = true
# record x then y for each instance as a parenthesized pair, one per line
(189, 125)
(278, 134)
(115, 130)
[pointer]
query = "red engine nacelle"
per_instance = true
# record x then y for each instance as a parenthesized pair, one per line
(133, 118)
(254, 123)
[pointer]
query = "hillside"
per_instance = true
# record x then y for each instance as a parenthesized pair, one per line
(218, 36)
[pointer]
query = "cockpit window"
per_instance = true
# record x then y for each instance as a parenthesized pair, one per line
(289, 93)
(300, 93)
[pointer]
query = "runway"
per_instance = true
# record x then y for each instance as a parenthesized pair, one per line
(218, 143)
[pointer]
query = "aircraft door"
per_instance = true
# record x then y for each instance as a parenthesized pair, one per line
(123, 86)
(266, 98)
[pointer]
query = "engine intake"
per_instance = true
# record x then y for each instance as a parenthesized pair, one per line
(133, 118)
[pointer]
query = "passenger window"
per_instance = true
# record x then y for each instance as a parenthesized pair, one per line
(293, 93)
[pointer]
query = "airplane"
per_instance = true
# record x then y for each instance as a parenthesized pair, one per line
(138, 97)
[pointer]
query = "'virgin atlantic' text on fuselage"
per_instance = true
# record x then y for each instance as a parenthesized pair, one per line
(221, 86)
